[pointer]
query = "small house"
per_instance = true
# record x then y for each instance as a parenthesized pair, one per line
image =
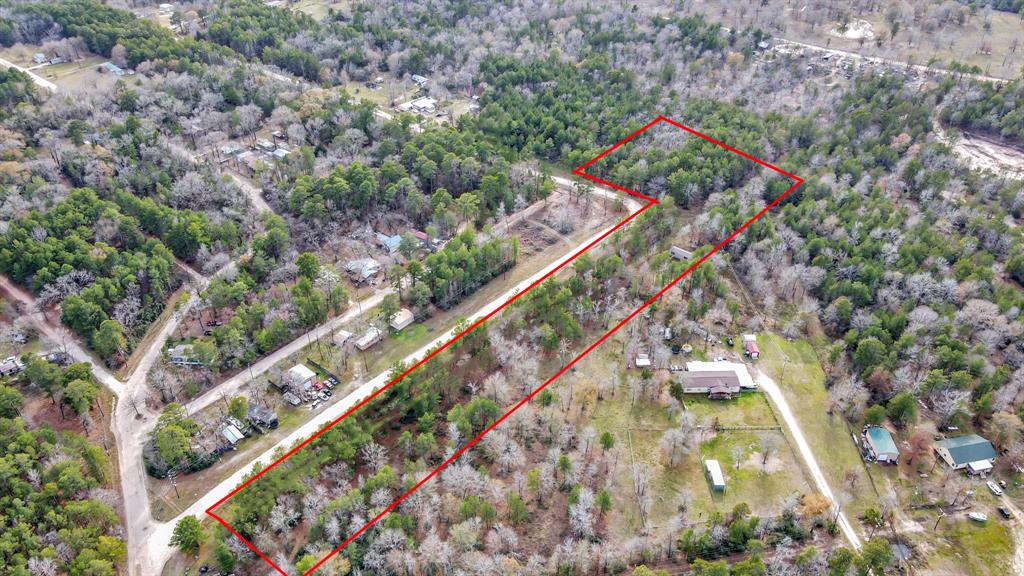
(422, 237)
(378, 113)
(291, 399)
(39, 58)
(232, 434)
(112, 68)
(264, 144)
(750, 348)
(880, 445)
(182, 355)
(11, 365)
(362, 270)
(229, 149)
(262, 416)
(299, 377)
(248, 162)
(679, 253)
(643, 360)
(281, 153)
(970, 452)
(425, 105)
(60, 60)
(702, 377)
(714, 472)
(166, 8)
(401, 319)
(390, 242)
(340, 337)
(419, 80)
(371, 337)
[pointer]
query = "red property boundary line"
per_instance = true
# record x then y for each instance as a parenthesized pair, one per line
(581, 171)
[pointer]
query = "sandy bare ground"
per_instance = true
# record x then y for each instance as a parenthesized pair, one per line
(983, 153)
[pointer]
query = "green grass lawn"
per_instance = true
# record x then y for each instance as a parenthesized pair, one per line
(803, 383)
(963, 546)
(764, 490)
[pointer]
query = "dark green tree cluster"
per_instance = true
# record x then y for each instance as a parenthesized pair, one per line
(995, 109)
(462, 266)
(45, 501)
(15, 87)
(253, 29)
(40, 248)
(102, 28)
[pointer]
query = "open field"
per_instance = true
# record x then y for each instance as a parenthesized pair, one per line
(928, 39)
(317, 9)
(762, 483)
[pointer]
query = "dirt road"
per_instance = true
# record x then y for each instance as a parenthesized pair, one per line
(782, 407)
(892, 63)
(158, 551)
(60, 335)
(254, 194)
(40, 81)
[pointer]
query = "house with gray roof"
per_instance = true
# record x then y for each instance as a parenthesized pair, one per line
(970, 452)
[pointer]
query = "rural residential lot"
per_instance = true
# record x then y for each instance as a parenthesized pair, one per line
(312, 287)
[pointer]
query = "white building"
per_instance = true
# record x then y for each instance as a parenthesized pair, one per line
(341, 336)
(715, 476)
(643, 360)
(425, 105)
(232, 434)
(680, 253)
(371, 337)
(402, 319)
(182, 355)
(299, 377)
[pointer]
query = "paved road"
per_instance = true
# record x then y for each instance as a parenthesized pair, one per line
(40, 81)
(152, 560)
(782, 407)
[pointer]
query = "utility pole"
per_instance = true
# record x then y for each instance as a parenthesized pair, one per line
(172, 475)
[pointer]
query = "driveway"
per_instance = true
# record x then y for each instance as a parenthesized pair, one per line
(769, 387)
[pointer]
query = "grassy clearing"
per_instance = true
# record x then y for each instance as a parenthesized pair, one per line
(638, 429)
(963, 546)
(803, 383)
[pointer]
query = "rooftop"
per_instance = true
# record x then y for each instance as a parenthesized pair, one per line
(968, 448)
(881, 440)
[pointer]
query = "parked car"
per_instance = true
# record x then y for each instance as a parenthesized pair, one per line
(978, 516)
(1005, 512)
(322, 396)
(675, 368)
(730, 341)
(333, 381)
(316, 404)
(994, 488)
(328, 385)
